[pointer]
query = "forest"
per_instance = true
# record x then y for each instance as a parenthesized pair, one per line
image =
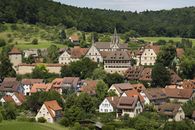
(169, 23)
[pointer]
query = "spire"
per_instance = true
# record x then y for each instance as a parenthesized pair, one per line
(115, 39)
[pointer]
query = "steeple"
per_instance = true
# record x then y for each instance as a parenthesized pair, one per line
(115, 39)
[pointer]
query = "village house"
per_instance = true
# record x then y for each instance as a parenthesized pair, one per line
(27, 84)
(57, 85)
(130, 106)
(30, 52)
(10, 85)
(16, 98)
(94, 53)
(88, 86)
(119, 89)
(117, 61)
(40, 88)
(15, 57)
(72, 54)
(154, 96)
(109, 104)
(149, 55)
(179, 95)
(134, 93)
(51, 111)
(28, 68)
(173, 112)
(70, 83)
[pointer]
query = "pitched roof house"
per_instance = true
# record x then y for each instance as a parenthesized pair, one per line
(72, 54)
(130, 106)
(180, 95)
(109, 104)
(119, 89)
(40, 87)
(88, 86)
(70, 83)
(154, 95)
(133, 93)
(16, 98)
(74, 38)
(50, 110)
(10, 85)
(27, 84)
(172, 111)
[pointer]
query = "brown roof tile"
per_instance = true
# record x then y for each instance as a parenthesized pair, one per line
(89, 86)
(78, 52)
(180, 52)
(155, 93)
(113, 101)
(52, 105)
(118, 55)
(178, 93)
(188, 84)
(169, 109)
(134, 73)
(127, 102)
(15, 51)
(31, 81)
(146, 74)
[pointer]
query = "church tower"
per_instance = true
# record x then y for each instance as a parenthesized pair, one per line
(115, 41)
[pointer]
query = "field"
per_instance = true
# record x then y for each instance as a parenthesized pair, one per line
(14, 125)
(155, 39)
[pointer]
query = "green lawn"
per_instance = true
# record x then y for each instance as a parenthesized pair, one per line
(155, 39)
(14, 125)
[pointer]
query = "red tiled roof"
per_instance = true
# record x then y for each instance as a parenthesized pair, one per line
(146, 74)
(178, 93)
(31, 81)
(52, 105)
(8, 98)
(156, 48)
(41, 87)
(169, 109)
(133, 93)
(78, 52)
(127, 102)
(20, 97)
(188, 84)
(89, 86)
(15, 51)
(113, 101)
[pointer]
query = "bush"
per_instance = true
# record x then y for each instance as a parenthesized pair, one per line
(41, 120)
(1, 118)
(108, 127)
(2, 42)
(35, 41)
(64, 122)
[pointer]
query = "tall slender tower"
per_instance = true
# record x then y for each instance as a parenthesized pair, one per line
(115, 40)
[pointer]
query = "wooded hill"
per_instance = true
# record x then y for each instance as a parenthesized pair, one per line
(169, 23)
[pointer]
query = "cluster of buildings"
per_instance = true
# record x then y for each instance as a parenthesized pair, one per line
(131, 99)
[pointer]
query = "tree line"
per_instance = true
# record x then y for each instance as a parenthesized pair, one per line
(171, 23)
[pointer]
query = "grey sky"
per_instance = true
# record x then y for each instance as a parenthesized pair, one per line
(130, 5)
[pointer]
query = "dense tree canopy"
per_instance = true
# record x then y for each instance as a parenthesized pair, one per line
(175, 22)
(160, 75)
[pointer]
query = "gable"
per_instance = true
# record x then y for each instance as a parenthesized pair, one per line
(65, 54)
(93, 51)
(148, 52)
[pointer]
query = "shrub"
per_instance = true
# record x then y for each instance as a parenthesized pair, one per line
(2, 42)
(64, 122)
(41, 120)
(108, 127)
(1, 118)
(35, 41)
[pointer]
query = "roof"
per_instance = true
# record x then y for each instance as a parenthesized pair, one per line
(134, 73)
(127, 102)
(39, 87)
(73, 81)
(169, 109)
(155, 93)
(156, 48)
(118, 55)
(31, 81)
(146, 74)
(122, 87)
(180, 52)
(133, 93)
(52, 105)
(138, 87)
(20, 97)
(89, 86)
(174, 77)
(15, 51)
(188, 84)
(178, 93)
(8, 98)
(10, 85)
(78, 52)
(57, 82)
(113, 101)
(107, 45)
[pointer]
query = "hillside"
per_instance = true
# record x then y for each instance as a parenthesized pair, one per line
(169, 23)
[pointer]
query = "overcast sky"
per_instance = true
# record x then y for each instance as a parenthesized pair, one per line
(130, 5)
